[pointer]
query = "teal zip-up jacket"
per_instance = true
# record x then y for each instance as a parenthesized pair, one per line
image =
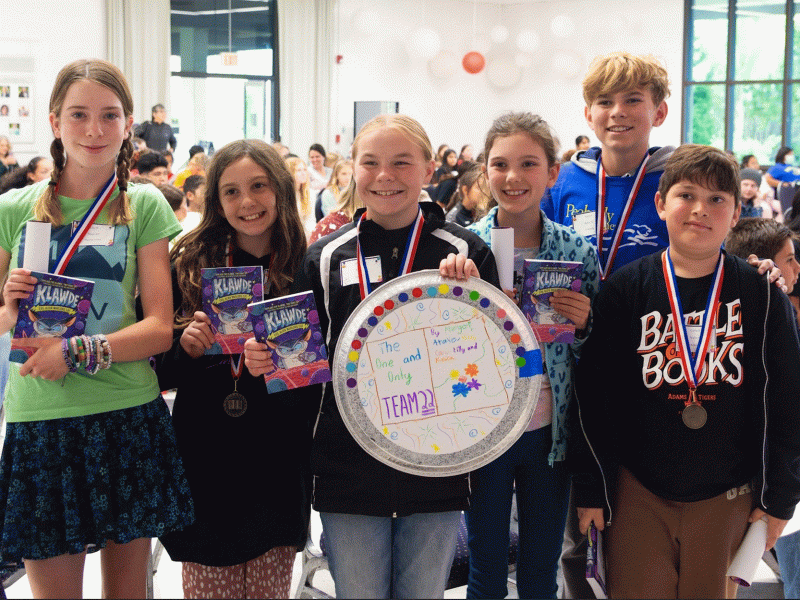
(558, 243)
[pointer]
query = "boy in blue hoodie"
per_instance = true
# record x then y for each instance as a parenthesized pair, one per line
(625, 98)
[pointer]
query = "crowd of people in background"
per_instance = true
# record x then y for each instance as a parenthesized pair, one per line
(664, 215)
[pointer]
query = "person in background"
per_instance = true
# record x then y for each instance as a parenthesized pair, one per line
(319, 174)
(297, 167)
(38, 168)
(196, 165)
(467, 154)
(153, 166)
(439, 156)
(784, 170)
(449, 164)
(170, 159)
(749, 161)
(281, 149)
(341, 176)
(331, 159)
(582, 143)
(8, 161)
(470, 200)
(176, 200)
(753, 202)
(156, 132)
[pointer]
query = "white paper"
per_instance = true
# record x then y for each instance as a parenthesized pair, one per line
(37, 247)
(745, 561)
(503, 250)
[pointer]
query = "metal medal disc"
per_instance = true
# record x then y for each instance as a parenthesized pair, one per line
(694, 416)
(436, 377)
(235, 404)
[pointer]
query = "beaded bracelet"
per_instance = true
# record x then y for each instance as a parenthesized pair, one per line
(71, 365)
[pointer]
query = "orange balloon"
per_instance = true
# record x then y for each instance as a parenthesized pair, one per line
(473, 62)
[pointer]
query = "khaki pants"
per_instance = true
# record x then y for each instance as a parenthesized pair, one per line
(656, 548)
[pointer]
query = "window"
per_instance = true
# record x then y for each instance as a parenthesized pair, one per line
(742, 75)
(224, 70)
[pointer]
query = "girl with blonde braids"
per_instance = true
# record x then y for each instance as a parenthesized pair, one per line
(90, 460)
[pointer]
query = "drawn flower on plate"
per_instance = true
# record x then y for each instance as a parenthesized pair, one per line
(454, 374)
(471, 370)
(460, 389)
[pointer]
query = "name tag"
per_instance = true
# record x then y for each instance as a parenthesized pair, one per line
(584, 224)
(98, 235)
(693, 331)
(348, 270)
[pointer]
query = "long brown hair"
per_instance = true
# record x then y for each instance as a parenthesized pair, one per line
(48, 207)
(205, 246)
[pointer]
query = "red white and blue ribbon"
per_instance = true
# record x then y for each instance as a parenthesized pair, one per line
(693, 361)
(86, 224)
(364, 284)
(600, 216)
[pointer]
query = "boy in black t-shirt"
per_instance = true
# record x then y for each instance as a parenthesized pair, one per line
(697, 431)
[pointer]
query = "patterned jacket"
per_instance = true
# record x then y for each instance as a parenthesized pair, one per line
(558, 243)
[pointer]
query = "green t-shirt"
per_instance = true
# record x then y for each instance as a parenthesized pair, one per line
(112, 266)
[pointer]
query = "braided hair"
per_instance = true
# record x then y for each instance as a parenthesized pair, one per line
(48, 207)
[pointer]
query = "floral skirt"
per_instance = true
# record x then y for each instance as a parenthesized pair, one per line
(69, 485)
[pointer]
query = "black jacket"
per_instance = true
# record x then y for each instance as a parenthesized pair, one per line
(347, 479)
(630, 392)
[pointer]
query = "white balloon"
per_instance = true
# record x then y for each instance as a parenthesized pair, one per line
(562, 26)
(443, 65)
(499, 34)
(503, 73)
(528, 40)
(424, 43)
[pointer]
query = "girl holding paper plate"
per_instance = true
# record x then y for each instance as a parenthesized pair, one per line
(90, 461)
(520, 165)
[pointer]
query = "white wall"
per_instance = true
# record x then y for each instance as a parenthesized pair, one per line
(378, 63)
(54, 33)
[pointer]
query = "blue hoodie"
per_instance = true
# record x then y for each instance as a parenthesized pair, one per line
(575, 192)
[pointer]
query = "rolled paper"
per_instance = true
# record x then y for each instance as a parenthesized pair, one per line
(503, 250)
(745, 561)
(37, 247)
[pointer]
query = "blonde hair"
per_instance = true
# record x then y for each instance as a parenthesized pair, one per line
(48, 207)
(333, 182)
(305, 195)
(403, 123)
(622, 71)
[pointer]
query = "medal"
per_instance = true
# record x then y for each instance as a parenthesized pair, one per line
(235, 405)
(692, 359)
(694, 415)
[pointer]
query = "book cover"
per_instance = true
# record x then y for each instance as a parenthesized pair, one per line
(290, 327)
(595, 563)
(541, 279)
(227, 292)
(57, 308)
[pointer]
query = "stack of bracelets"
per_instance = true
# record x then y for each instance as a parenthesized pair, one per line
(90, 352)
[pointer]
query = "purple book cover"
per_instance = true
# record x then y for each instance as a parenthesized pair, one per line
(290, 327)
(542, 278)
(57, 308)
(595, 563)
(227, 291)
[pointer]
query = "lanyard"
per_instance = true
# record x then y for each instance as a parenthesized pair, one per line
(600, 217)
(693, 361)
(86, 223)
(364, 284)
(236, 368)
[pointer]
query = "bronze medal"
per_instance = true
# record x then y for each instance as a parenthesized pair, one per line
(235, 404)
(694, 416)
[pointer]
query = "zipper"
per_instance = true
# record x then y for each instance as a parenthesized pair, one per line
(596, 459)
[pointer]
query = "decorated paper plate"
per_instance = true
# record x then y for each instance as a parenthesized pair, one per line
(435, 376)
